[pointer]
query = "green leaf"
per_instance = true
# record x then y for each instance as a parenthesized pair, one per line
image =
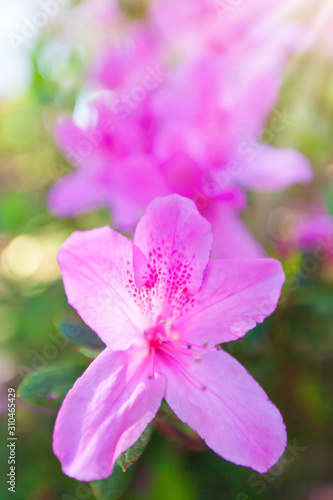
(130, 456)
(82, 336)
(89, 353)
(48, 388)
(112, 487)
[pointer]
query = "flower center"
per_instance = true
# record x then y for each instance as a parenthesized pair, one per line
(162, 340)
(156, 336)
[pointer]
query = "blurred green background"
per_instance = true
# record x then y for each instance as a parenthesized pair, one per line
(291, 354)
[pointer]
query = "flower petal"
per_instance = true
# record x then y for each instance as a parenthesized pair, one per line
(176, 241)
(220, 400)
(274, 169)
(232, 239)
(74, 194)
(136, 180)
(105, 413)
(97, 271)
(122, 64)
(68, 136)
(235, 295)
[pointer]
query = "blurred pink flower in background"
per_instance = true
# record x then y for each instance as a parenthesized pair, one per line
(161, 307)
(304, 226)
(188, 93)
(315, 234)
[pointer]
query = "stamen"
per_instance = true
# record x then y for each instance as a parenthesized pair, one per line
(203, 347)
(165, 349)
(187, 378)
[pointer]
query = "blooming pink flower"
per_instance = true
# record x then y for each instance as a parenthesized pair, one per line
(161, 307)
(303, 226)
(208, 142)
(315, 234)
(194, 129)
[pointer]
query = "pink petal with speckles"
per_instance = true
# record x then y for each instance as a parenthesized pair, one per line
(176, 242)
(97, 270)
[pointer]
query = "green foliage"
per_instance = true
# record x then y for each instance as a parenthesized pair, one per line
(114, 486)
(329, 200)
(132, 455)
(48, 388)
(81, 335)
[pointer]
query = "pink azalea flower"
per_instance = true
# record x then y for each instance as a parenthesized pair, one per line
(194, 129)
(315, 234)
(208, 142)
(304, 226)
(161, 307)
